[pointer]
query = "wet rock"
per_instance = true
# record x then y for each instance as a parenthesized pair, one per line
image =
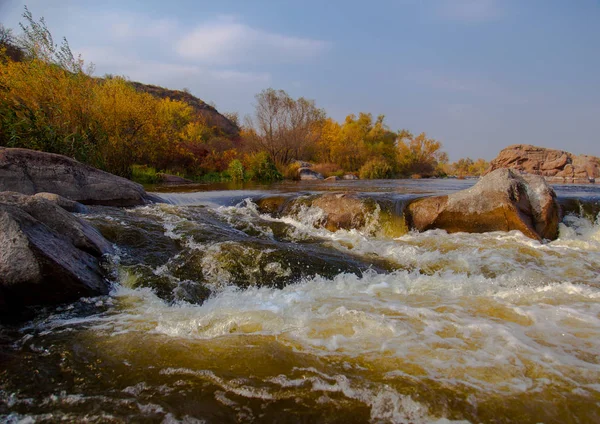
(52, 215)
(343, 211)
(173, 179)
(503, 200)
(30, 172)
(308, 174)
(556, 166)
(350, 177)
(66, 204)
(333, 178)
(47, 255)
(271, 205)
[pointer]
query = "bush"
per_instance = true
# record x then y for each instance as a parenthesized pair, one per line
(236, 170)
(261, 168)
(291, 171)
(376, 169)
(144, 174)
(328, 169)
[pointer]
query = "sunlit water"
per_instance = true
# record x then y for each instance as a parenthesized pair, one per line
(219, 313)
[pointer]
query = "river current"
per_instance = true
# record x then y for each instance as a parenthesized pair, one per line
(220, 313)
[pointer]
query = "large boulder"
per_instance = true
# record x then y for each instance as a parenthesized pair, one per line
(47, 255)
(556, 166)
(503, 200)
(29, 172)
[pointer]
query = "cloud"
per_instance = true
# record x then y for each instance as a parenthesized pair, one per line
(111, 60)
(228, 42)
(470, 11)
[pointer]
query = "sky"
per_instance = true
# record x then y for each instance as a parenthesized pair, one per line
(477, 75)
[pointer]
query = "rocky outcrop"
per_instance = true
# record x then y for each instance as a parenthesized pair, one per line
(557, 166)
(47, 255)
(503, 200)
(308, 174)
(29, 172)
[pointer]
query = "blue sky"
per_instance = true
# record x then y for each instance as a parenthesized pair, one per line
(477, 75)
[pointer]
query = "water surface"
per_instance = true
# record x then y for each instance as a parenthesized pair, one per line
(219, 313)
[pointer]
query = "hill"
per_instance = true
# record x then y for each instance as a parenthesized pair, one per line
(211, 115)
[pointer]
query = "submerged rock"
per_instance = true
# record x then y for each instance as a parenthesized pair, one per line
(47, 255)
(30, 172)
(503, 200)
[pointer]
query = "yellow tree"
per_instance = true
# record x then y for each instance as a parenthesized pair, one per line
(418, 155)
(126, 117)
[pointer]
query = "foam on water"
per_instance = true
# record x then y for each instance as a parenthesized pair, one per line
(486, 317)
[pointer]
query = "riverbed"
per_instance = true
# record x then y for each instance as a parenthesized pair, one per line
(222, 313)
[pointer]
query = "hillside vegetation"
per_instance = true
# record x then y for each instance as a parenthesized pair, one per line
(50, 101)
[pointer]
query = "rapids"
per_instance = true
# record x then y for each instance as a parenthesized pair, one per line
(221, 313)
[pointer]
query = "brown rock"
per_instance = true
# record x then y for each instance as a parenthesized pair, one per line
(271, 205)
(343, 211)
(333, 178)
(30, 172)
(501, 201)
(556, 165)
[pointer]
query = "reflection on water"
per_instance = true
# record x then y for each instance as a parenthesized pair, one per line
(222, 314)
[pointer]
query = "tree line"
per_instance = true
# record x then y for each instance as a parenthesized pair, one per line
(50, 101)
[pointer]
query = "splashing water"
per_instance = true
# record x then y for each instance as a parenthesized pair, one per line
(224, 314)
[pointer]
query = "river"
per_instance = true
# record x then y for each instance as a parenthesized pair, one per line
(220, 313)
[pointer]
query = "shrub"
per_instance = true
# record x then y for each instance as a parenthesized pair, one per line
(262, 168)
(376, 169)
(144, 174)
(328, 169)
(291, 171)
(236, 170)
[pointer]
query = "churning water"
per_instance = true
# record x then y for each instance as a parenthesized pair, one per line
(221, 313)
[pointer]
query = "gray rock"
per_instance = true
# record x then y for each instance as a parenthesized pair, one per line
(309, 174)
(66, 204)
(333, 178)
(350, 177)
(30, 172)
(47, 255)
(503, 200)
(79, 232)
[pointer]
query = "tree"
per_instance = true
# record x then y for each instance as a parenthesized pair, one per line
(418, 155)
(283, 127)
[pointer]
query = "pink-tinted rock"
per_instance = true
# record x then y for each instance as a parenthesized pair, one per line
(556, 166)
